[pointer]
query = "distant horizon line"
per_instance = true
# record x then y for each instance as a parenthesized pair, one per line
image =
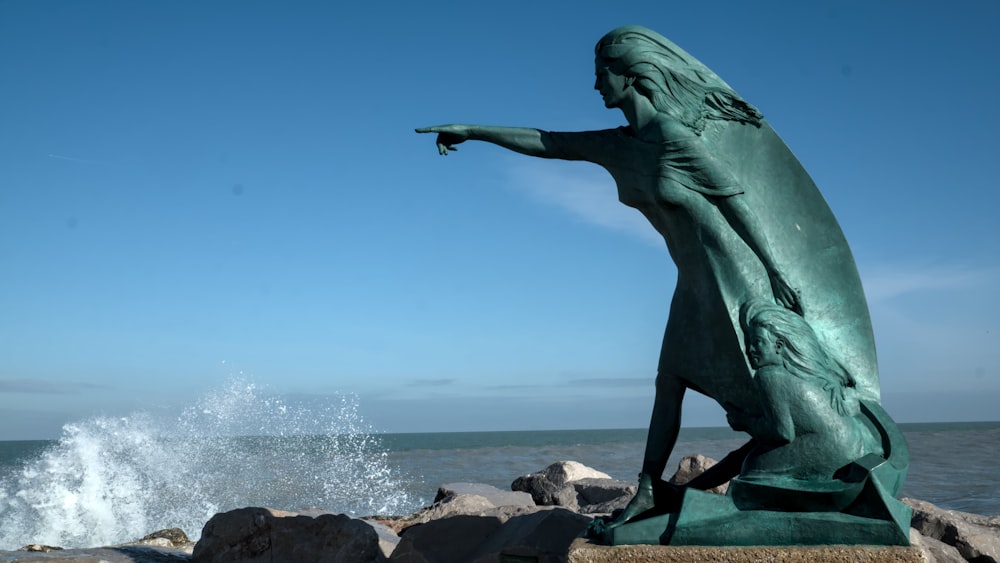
(904, 426)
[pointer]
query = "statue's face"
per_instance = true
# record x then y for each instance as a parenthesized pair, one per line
(763, 349)
(610, 85)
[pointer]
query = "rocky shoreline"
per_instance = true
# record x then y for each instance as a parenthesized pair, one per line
(540, 519)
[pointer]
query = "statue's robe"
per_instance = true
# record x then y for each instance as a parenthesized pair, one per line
(678, 185)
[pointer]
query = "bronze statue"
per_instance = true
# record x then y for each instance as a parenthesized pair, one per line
(742, 221)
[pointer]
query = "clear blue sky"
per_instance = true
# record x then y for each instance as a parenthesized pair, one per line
(190, 191)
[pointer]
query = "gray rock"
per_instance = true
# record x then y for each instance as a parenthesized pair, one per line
(120, 554)
(545, 492)
(543, 535)
(553, 486)
(39, 548)
(936, 551)
(977, 538)
(456, 505)
(451, 539)
(262, 535)
(175, 536)
(387, 537)
(562, 472)
(495, 496)
(692, 466)
(600, 496)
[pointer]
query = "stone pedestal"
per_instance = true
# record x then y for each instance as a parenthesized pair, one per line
(583, 551)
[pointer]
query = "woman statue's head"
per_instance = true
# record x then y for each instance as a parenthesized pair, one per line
(675, 82)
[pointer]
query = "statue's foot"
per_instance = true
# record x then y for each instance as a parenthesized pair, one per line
(641, 502)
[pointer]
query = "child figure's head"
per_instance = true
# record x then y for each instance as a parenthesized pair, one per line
(764, 348)
(776, 336)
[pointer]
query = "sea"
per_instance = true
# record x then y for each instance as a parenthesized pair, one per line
(109, 480)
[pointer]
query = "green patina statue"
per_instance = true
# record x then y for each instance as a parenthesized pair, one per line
(768, 316)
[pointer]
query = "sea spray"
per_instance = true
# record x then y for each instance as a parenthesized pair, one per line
(114, 479)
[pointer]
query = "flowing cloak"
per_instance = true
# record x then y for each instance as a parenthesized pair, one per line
(677, 186)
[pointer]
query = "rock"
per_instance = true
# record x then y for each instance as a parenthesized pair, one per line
(252, 535)
(455, 538)
(692, 466)
(552, 486)
(936, 551)
(153, 542)
(461, 505)
(602, 496)
(39, 548)
(544, 492)
(118, 554)
(456, 505)
(543, 536)
(977, 538)
(175, 536)
(562, 472)
(388, 539)
(496, 497)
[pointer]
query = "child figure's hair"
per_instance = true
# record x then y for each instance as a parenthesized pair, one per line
(801, 352)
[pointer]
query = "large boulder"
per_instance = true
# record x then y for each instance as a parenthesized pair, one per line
(976, 537)
(545, 492)
(562, 472)
(936, 550)
(553, 486)
(543, 535)
(263, 535)
(692, 466)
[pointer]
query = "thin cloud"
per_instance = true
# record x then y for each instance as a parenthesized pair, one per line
(612, 382)
(73, 159)
(606, 382)
(46, 387)
(517, 387)
(586, 192)
(431, 382)
(885, 282)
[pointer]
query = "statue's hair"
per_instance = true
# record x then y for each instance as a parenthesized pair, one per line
(674, 81)
(802, 353)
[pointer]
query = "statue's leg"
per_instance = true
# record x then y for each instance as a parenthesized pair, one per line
(664, 425)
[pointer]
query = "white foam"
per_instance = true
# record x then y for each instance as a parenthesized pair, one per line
(113, 480)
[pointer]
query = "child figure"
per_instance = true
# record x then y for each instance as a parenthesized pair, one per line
(811, 424)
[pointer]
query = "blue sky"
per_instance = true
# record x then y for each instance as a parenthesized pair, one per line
(196, 191)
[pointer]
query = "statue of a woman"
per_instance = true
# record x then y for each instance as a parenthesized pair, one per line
(740, 217)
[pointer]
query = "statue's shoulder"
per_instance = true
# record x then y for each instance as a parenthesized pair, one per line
(769, 376)
(778, 384)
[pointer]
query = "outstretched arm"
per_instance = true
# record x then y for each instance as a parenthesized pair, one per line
(532, 142)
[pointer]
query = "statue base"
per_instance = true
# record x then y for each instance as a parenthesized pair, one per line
(709, 519)
(583, 551)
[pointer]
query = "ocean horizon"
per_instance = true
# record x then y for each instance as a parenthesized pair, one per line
(110, 480)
